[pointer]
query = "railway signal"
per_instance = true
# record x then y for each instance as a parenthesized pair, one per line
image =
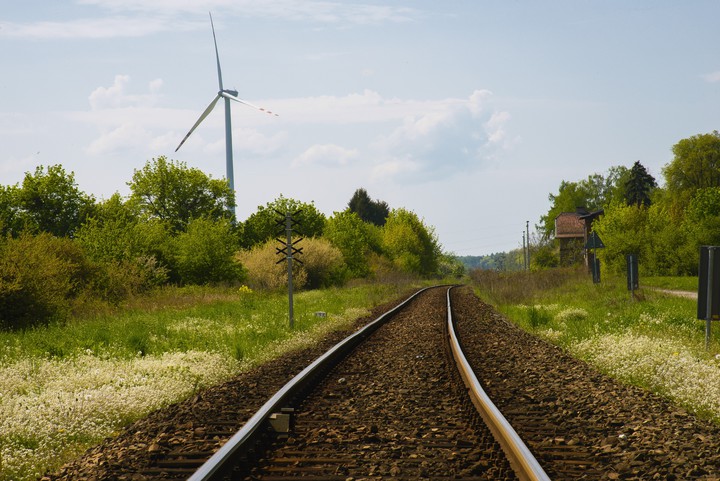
(287, 225)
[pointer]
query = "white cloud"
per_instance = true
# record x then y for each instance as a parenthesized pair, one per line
(394, 168)
(96, 28)
(246, 140)
(116, 96)
(326, 155)
(323, 12)
(712, 77)
(460, 137)
(165, 15)
(122, 138)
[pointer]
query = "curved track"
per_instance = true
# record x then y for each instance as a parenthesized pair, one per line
(393, 408)
(578, 423)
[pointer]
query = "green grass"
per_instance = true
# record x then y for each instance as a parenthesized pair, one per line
(651, 339)
(64, 387)
(672, 283)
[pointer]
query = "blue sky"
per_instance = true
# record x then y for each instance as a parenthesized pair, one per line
(468, 113)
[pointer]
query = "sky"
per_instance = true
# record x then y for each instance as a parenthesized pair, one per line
(468, 113)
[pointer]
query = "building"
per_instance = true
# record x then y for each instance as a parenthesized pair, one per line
(572, 230)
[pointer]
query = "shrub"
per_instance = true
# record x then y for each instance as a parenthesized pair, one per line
(538, 316)
(356, 240)
(263, 270)
(205, 253)
(322, 262)
(411, 245)
(39, 277)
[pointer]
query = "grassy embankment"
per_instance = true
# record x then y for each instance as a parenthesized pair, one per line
(65, 387)
(652, 340)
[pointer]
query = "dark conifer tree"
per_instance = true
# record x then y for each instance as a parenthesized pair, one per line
(639, 186)
(373, 211)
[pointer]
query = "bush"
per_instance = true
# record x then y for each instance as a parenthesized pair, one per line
(39, 278)
(263, 271)
(356, 240)
(120, 280)
(322, 262)
(205, 253)
(411, 245)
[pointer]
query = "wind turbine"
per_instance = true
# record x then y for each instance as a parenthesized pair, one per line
(228, 95)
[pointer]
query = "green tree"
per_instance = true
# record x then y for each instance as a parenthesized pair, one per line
(40, 276)
(356, 240)
(696, 165)
(639, 186)
(205, 253)
(667, 250)
(10, 221)
(176, 194)
(373, 211)
(623, 230)
(262, 225)
(132, 255)
(410, 244)
(50, 201)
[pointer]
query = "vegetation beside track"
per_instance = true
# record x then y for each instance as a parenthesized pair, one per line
(651, 339)
(66, 386)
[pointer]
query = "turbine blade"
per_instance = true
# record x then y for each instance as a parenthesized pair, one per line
(217, 55)
(202, 117)
(230, 96)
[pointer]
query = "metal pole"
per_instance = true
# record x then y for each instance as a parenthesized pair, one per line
(708, 315)
(527, 231)
(524, 254)
(632, 277)
(288, 231)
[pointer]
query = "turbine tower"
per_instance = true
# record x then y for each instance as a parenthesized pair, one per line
(227, 95)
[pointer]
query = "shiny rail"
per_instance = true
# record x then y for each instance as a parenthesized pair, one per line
(225, 460)
(242, 445)
(523, 462)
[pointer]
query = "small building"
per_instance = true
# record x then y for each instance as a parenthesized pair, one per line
(572, 230)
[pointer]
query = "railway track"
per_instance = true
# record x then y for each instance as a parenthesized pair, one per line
(395, 407)
(578, 423)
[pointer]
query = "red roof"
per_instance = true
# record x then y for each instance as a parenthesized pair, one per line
(569, 224)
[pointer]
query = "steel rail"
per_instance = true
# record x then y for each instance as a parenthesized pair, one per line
(227, 457)
(523, 462)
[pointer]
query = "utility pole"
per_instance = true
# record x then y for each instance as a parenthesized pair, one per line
(290, 252)
(527, 235)
(525, 266)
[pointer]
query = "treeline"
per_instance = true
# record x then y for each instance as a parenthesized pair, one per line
(663, 225)
(61, 248)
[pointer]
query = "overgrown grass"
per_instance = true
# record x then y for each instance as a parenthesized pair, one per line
(651, 339)
(66, 387)
(673, 283)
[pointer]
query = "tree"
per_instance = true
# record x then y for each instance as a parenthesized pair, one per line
(411, 245)
(356, 240)
(176, 194)
(262, 225)
(10, 222)
(639, 185)
(50, 201)
(40, 275)
(593, 193)
(134, 255)
(373, 211)
(696, 165)
(623, 230)
(205, 253)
